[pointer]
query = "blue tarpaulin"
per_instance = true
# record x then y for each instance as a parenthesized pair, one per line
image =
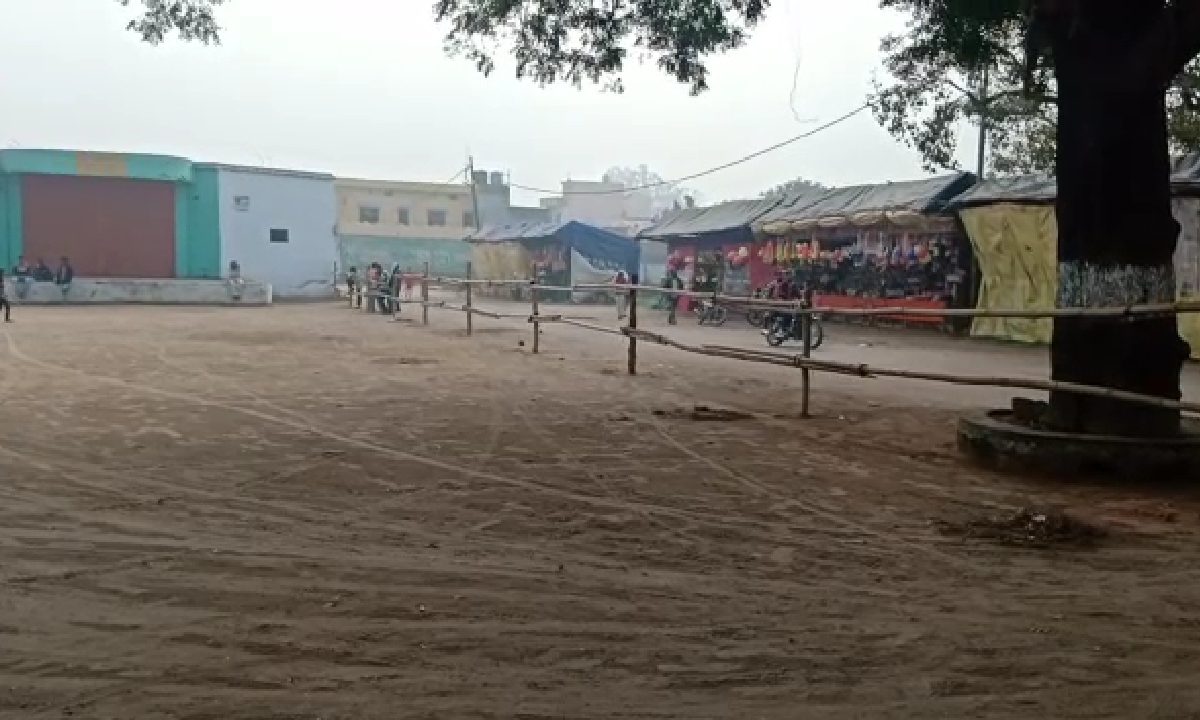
(591, 242)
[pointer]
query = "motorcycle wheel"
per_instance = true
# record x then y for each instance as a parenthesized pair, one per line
(720, 315)
(818, 334)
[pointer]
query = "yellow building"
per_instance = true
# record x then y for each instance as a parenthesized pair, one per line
(417, 210)
(410, 224)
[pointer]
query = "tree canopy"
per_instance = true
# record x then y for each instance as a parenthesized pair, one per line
(936, 70)
(657, 193)
(189, 19)
(793, 186)
(577, 40)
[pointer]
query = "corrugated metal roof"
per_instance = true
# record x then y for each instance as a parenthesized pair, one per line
(868, 204)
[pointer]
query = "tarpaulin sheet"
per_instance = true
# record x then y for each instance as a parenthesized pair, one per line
(898, 202)
(599, 246)
(1030, 189)
(721, 224)
(1024, 189)
(1017, 245)
(500, 261)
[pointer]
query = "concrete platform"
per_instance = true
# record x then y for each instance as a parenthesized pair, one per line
(995, 440)
(139, 291)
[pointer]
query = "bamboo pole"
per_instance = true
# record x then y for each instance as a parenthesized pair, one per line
(805, 376)
(425, 295)
(533, 299)
(470, 325)
(588, 326)
(632, 300)
(867, 371)
(1189, 306)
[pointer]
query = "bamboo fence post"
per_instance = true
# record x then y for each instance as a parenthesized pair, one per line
(805, 374)
(425, 296)
(537, 327)
(469, 307)
(632, 300)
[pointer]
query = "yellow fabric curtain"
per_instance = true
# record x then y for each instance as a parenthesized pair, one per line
(500, 261)
(1017, 246)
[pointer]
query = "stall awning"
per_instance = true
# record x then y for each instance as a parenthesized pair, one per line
(726, 223)
(589, 241)
(915, 204)
(1020, 189)
(1043, 189)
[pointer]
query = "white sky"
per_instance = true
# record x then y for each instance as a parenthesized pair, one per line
(363, 88)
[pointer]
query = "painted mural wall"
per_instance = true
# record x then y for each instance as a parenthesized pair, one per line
(445, 257)
(279, 226)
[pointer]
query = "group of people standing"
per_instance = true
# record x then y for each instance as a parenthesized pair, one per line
(383, 289)
(24, 275)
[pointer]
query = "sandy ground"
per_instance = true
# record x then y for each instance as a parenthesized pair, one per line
(306, 512)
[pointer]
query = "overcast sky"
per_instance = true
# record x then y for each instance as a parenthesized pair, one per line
(362, 88)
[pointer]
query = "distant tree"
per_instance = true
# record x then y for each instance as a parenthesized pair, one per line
(793, 186)
(936, 79)
(658, 194)
(190, 19)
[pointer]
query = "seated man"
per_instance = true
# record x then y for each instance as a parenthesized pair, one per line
(22, 277)
(42, 272)
(236, 283)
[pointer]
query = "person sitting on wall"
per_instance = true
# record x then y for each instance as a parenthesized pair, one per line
(237, 284)
(4, 303)
(22, 276)
(42, 272)
(64, 277)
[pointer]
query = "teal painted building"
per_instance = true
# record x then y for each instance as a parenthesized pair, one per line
(113, 214)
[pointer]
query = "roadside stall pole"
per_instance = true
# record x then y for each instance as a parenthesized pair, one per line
(425, 296)
(469, 307)
(632, 300)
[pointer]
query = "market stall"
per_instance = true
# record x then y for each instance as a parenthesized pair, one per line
(889, 245)
(713, 248)
(561, 254)
(1012, 227)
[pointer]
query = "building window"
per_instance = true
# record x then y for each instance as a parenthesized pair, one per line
(469, 219)
(241, 203)
(279, 235)
(437, 218)
(402, 216)
(368, 214)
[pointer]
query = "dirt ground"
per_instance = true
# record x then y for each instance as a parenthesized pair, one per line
(307, 512)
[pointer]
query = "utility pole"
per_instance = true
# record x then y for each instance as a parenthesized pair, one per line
(982, 101)
(474, 194)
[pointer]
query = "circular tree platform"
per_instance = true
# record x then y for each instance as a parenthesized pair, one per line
(997, 439)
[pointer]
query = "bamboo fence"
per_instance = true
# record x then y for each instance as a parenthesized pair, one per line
(802, 361)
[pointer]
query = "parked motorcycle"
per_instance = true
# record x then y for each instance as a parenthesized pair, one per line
(710, 313)
(756, 316)
(784, 326)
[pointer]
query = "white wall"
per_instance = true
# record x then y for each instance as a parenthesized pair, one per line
(253, 202)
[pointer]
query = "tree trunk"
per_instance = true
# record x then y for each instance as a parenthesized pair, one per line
(1116, 234)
